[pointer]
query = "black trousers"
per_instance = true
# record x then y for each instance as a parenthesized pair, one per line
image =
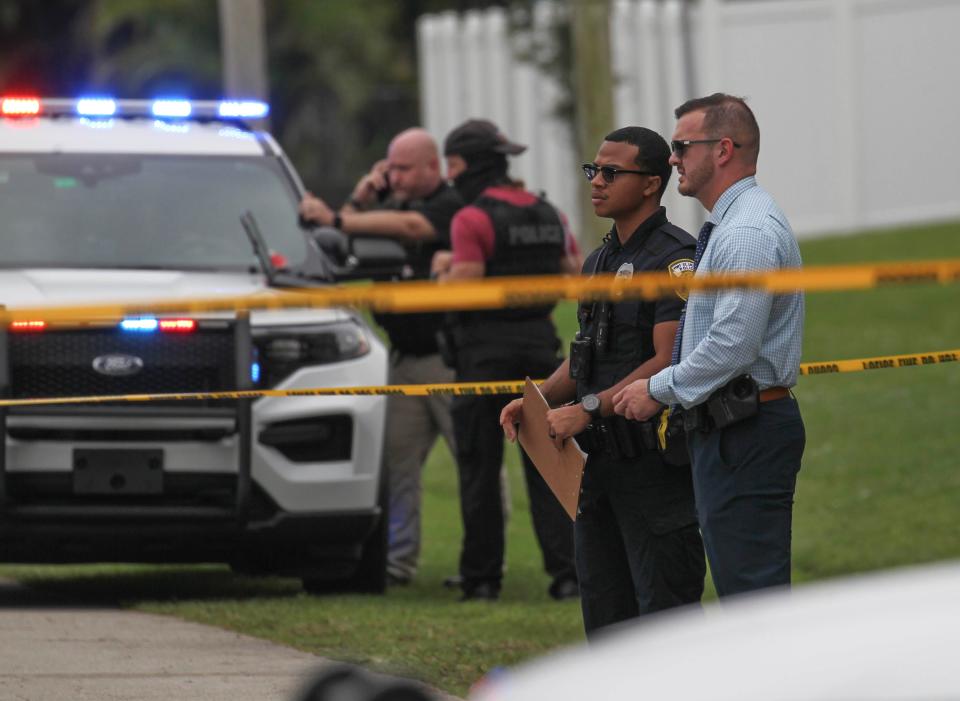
(744, 477)
(479, 439)
(638, 546)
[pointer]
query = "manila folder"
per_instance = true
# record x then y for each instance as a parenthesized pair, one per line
(561, 469)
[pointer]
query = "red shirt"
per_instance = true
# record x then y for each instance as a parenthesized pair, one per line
(471, 231)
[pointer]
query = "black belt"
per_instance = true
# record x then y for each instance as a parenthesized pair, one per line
(617, 437)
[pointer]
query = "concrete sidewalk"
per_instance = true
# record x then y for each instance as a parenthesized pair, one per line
(51, 649)
(54, 651)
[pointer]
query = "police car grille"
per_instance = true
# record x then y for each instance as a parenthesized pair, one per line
(61, 363)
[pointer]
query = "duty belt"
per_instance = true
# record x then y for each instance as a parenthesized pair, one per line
(618, 437)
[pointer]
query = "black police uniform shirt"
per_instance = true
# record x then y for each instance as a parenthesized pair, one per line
(656, 246)
(666, 499)
(416, 334)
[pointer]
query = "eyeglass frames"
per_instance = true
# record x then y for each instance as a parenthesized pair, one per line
(678, 147)
(609, 173)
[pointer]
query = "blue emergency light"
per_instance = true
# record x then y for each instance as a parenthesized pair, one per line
(96, 107)
(171, 108)
(245, 109)
(143, 324)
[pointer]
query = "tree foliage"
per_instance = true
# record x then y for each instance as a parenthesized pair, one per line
(343, 76)
(41, 45)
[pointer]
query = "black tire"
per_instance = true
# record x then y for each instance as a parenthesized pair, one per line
(370, 575)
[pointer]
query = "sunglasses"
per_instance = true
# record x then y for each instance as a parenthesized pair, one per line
(678, 147)
(609, 173)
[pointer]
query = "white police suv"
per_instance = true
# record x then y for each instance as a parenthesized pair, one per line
(105, 201)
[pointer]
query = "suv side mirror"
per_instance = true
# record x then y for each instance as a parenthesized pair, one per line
(362, 257)
(333, 243)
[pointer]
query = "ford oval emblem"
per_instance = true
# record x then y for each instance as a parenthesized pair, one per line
(118, 364)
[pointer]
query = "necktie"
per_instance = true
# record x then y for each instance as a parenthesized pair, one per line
(702, 240)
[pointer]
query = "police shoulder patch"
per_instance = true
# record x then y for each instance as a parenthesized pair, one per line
(682, 267)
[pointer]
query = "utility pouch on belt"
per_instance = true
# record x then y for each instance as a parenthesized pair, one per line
(737, 400)
(672, 439)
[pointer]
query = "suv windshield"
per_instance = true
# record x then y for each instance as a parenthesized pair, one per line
(110, 211)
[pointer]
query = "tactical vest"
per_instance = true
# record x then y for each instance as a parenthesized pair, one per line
(416, 333)
(529, 240)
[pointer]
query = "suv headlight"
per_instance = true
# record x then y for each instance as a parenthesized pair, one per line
(282, 350)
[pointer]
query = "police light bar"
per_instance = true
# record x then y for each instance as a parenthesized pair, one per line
(167, 108)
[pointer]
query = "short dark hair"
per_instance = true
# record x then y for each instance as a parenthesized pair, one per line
(726, 115)
(653, 154)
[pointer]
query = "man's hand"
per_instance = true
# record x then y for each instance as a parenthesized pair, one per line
(367, 188)
(566, 422)
(440, 265)
(510, 417)
(313, 209)
(634, 401)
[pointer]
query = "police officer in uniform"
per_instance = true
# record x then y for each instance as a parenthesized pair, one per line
(637, 541)
(504, 230)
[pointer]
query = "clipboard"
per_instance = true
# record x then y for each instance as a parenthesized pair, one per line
(562, 470)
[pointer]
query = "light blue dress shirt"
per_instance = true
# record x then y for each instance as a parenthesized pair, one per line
(727, 333)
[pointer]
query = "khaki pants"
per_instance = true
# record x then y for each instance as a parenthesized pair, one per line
(413, 425)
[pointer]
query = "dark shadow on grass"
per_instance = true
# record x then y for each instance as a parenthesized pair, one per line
(120, 589)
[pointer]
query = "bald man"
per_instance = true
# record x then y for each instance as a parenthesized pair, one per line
(416, 209)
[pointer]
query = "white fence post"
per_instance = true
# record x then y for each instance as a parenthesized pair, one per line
(841, 88)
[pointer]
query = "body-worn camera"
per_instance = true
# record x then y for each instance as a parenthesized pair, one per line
(737, 400)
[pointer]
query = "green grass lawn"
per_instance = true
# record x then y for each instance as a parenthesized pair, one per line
(879, 488)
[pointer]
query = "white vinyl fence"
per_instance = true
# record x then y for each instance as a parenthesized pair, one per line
(857, 99)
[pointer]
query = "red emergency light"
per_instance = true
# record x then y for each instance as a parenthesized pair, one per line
(19, 106)
(178, 325)
(31, 325)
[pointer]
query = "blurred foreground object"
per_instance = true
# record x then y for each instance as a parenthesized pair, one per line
(879, 636)
(353, 684)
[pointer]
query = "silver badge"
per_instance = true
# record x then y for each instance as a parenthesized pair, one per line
(625, 271)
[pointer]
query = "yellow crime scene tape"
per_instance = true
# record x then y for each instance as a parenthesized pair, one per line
(884, 362)
(500, 292)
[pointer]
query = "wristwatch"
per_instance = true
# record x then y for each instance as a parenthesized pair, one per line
(591, 404)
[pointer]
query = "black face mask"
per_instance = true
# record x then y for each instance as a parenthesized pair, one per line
(483, 170)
